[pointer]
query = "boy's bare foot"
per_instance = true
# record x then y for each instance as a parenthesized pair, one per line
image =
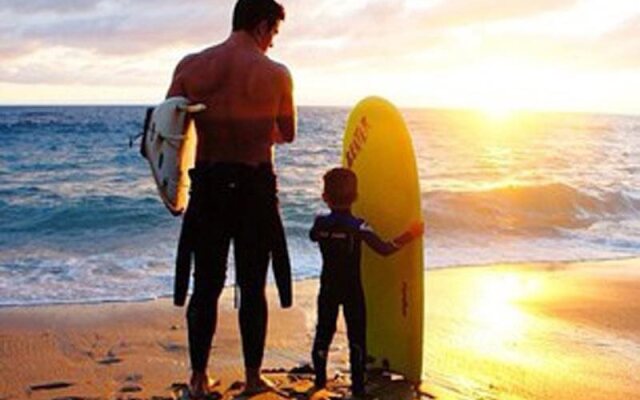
(201, 384)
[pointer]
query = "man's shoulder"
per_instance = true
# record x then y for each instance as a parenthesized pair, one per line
(276, 69)
(187, 62)
(280, 67)
(199, 56)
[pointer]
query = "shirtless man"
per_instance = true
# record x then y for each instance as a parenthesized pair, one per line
(249, 109)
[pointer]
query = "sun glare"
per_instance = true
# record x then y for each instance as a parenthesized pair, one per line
(500, 320)
(497, 113)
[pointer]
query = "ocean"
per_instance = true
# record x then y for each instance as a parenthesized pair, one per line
(80, 220)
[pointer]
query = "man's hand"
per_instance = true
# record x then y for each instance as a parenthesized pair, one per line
(276, 136)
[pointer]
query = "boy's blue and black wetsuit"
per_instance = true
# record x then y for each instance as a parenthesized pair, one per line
(340, 236)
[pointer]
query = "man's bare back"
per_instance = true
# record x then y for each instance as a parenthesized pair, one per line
(248, 97)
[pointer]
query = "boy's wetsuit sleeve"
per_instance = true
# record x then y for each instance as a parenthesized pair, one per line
(373, 240)
(313, 233)
(366, 233)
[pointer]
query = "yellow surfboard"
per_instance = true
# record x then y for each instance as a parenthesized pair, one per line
(378, 148)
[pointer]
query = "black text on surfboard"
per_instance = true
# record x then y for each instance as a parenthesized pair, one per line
(358, 141)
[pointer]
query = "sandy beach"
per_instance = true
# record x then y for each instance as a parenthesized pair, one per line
(530, 331)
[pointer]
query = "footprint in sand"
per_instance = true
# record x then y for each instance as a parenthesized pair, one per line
(50, 386)
(134, 378)
(131, 388)
(171, 347)
(132, 383)
(110, 358)
(110, 361)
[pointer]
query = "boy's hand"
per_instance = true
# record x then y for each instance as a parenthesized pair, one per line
(416, 229)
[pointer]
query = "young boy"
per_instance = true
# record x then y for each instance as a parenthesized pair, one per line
(340, 235)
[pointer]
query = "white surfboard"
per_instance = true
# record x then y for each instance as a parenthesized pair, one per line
(169, 144)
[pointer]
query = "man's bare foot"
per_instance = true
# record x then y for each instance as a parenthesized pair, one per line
(201, 384)
(255, 383)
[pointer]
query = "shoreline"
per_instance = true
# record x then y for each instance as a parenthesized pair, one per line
(514, 331)
(505, 264)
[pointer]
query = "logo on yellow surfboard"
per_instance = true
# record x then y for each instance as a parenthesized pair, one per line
(358, 141)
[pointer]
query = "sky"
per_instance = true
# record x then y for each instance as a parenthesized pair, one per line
(565, 55)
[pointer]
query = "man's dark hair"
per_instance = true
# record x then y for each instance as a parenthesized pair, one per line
(247, 14)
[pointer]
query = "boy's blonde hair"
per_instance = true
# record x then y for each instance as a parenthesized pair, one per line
(340, 187)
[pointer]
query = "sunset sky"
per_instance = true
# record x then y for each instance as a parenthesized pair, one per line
(574, 55)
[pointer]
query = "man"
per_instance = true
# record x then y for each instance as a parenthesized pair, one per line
(249, 108)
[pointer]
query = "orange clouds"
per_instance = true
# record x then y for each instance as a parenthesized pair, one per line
(423, 52)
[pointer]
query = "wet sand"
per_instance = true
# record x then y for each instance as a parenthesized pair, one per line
(543, 331)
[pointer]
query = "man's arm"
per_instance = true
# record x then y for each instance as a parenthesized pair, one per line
(176, 88)
(286, 118)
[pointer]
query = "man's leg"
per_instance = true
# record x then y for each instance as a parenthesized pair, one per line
(355, 317)
(255, 209)
(325, 329)
(252, 260)
(210, 272)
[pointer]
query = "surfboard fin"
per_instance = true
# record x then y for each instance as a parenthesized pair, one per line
(143, 133)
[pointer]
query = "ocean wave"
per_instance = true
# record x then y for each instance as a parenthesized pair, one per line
(525, 210)
(85, 214)
(81, 220)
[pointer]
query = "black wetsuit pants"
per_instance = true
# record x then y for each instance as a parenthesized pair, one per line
(353, 308)
(230, 202)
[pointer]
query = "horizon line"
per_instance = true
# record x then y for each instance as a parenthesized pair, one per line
(400, 106)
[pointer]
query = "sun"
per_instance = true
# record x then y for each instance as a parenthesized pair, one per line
(497, 112)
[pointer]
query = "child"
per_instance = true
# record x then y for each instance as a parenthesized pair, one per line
(340, 235)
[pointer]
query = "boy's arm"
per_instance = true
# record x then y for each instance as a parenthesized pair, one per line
(378, 245)
(414, 231)
(313, 233)
(387, 248)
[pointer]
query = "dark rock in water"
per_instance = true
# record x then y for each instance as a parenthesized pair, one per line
(51, 386)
